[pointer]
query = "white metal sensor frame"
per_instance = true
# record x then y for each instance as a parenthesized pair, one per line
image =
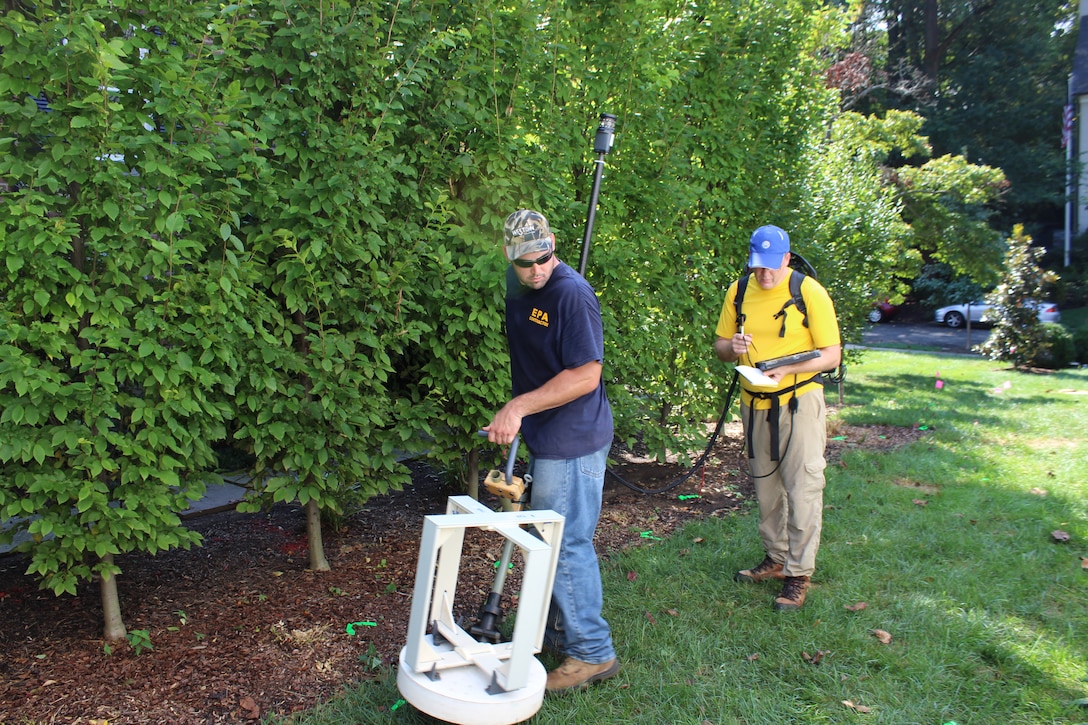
(506, 667)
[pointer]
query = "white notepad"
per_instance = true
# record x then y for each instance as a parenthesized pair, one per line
(756, 377)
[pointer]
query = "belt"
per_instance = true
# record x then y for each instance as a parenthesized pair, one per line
(773, 414)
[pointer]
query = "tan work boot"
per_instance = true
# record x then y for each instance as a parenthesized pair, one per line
(761, 572)
(793, 594)
(577, 675)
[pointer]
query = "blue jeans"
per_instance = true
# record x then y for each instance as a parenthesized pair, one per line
(573, 487)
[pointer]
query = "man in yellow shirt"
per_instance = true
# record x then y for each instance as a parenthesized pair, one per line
(785, 425)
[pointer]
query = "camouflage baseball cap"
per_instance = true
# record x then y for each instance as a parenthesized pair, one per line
(526, 232)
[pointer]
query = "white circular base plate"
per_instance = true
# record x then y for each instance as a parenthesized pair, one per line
(460, 694)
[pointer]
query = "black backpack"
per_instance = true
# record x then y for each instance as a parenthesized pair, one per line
(796, 299)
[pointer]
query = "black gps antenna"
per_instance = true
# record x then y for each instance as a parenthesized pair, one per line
(602, 144)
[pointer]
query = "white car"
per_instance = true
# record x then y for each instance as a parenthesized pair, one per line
(956, 315)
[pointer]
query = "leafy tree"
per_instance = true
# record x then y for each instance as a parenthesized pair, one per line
(332, 245)
(938, 285)
(711, 145)
(119, 304)
(680, 196)
(1018, 335)
(852, 229)
(990, 79)
(872, 226)
(947, 202)
(474, 135)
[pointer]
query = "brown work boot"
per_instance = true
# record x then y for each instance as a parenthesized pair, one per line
(793, 594)
(761, 572)
(577, 675)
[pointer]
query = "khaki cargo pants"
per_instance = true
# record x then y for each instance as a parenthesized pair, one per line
(791, 491)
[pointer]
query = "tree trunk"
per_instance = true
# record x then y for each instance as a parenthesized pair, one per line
(113, 625)
(931, 54)
(318, 562)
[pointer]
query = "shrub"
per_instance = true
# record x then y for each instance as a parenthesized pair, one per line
(939, 285)
(1056, 347)
(1018, 335)
(1071, 287)
(1080, 345)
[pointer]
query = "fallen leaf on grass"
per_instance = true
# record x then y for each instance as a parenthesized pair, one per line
(857, 708)
(1084, 563)
(651, 618)
(752, 657)
(882, 636)
(1060, 535)
(632, 575)
(672, 612)
(856, 607)
(1038, 491)
(814, 659)
(919, 502)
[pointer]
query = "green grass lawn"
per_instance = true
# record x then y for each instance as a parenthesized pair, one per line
(949, 543)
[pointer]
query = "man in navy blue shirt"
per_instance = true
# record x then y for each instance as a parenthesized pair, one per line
(553, 326)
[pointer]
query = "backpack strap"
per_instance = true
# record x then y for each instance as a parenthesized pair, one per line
(796, 299)
(742, 284)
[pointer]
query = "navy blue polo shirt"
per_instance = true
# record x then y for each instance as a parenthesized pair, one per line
(556, 328)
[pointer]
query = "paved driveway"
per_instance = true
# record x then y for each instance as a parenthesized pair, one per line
(924, 336)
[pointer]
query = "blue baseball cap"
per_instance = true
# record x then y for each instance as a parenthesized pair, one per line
(768, 246)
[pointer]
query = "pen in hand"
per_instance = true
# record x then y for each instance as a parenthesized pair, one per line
(747, 343)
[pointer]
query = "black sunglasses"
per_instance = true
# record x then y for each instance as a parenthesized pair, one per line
(527, 263)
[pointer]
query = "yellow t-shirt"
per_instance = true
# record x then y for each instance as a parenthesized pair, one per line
(760, 308)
